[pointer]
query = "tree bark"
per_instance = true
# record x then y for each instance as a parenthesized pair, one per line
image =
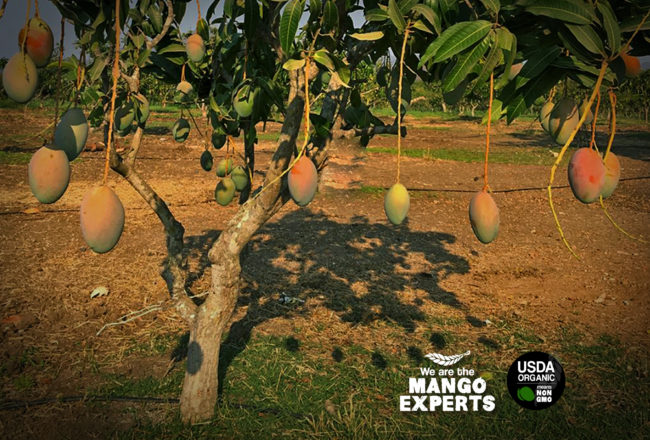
(201, 383)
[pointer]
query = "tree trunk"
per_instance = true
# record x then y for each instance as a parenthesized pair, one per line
(444, 106)
(201, 383)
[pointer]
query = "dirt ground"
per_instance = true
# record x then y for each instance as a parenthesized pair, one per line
(339, 254)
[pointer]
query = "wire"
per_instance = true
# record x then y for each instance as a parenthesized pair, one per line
(9, 405)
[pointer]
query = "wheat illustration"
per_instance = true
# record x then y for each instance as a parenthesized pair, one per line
(445, 361)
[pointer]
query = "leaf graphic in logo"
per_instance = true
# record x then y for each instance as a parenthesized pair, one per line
(445, 361)
(525, 394)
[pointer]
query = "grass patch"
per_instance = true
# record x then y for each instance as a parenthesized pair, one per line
(373, 190)
(120, 385)
(418, 114)
(157, 344)
(14, 157)
(518, 157)
(302, 390)
(268, 136)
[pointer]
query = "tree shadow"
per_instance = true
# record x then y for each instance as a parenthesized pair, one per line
(632, 143)
(359, 270)
(196, 249)
(536, 137)
(157, 130)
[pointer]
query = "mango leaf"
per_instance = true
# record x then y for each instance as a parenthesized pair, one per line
(455, 95)
(419, 25)
(610, 24)
(331, 15)
(289, 24)
(396, 16)
(491, 61)
(174, 47)
(503, 36)
(138, 40)
(497, 112)
(203, 30)
(342, 70)
(211, 9)
(464, 66)
(571, 11)
(321, 57)
(143, 57)
(576, 48)
(315, 7)
(405, 6)
(492, 5)
(155, 17)
(630, 24)
(456, 39)
(529, 93)
(228, 7)
(539, 60)
(368, 36)
(587, 37)
(293, 64)
(428, 15)
(376, 15)
(95, 71)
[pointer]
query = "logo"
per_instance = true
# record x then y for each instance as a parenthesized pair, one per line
(536, 380)
(443, 360)
(446, 389)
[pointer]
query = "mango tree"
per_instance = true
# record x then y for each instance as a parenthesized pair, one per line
(256, 59)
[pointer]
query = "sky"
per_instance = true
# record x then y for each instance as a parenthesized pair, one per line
(14, 19)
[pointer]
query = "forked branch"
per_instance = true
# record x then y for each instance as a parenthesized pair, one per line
(174, 271)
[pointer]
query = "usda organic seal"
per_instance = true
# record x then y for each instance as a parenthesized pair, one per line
(536, 380)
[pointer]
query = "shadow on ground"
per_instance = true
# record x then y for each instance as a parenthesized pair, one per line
(359, 270)
(630, 143)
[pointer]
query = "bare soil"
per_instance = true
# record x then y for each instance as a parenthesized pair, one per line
(355, 271)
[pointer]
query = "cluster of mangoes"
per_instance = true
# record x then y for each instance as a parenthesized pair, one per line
(233, 179)
(102, 213)
(132, 113)
(560, 119)
(591, 176)
(19, 77)
(302, 178)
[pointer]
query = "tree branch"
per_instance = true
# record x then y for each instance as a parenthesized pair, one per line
(370, 131)
(3, 7)
(174, 271)
(168, 22)
(257, 210)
